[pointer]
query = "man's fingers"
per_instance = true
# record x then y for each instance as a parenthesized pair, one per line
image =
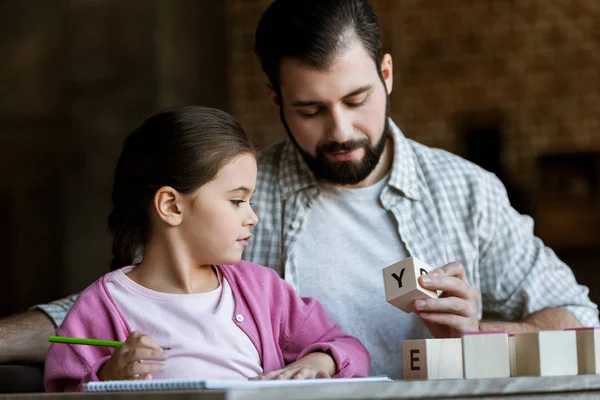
(448, 305)
(453, 321)
(451, 269)
(450, 285)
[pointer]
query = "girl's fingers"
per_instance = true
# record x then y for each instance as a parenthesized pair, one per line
(292, 373)
(268, 375)
(303, 373)
(286, 374)
(138, 339)
(140, 353)
(136, 368)
(142, 377)
(322, 375)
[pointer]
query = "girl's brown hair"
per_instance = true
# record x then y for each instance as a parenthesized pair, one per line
(182, 147)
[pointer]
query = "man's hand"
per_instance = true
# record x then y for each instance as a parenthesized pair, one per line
(455, 311)
(126, 361)
(311, 366)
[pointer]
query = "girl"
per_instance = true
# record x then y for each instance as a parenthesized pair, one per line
(181, 198)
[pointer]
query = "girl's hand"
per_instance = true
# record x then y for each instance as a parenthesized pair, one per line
(126, 361)
(311, 366)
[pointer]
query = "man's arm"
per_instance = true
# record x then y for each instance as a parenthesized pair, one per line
(24, 337)
(456, 310)
(520, 279)
(547, 319)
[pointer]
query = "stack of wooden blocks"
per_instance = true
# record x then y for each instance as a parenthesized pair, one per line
(495, 354)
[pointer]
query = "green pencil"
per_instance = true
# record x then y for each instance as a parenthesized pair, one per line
(90, 342)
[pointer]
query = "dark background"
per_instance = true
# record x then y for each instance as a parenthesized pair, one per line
(511, 85)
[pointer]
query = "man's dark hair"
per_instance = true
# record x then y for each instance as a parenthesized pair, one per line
(315, 32)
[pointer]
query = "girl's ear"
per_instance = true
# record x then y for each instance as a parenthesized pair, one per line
(168, 205)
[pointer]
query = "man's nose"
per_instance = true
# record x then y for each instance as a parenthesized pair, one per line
(340, 126)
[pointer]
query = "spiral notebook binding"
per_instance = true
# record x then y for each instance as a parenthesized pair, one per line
(143, 385)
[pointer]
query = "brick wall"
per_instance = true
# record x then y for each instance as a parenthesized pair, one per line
(536, 62)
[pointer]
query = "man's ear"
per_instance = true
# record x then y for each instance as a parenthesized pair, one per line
(387, 71)
(168, 205)
(272, 95)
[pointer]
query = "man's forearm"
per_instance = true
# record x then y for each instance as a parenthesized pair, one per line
(547, 319)
(24, 337)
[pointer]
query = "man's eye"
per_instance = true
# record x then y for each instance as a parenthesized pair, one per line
(354, 104)
(309, 114)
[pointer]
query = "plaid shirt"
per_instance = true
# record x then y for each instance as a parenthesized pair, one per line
(446, 209)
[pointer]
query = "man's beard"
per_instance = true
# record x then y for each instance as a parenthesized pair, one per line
(343, 172)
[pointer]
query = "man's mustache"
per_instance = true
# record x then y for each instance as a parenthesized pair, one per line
(336, 147)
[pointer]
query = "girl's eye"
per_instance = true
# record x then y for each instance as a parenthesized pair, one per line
(238, 202)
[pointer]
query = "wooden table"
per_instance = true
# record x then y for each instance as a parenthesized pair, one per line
(572, 387)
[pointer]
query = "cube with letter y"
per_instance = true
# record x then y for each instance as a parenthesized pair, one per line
(401, 281)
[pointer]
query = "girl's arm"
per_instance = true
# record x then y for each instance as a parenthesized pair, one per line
(93, 317)
(66, 370)
(307, 330)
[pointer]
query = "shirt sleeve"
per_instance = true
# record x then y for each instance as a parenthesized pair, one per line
(307, 328)
(519, 274)
(67, 371)
(57, 310)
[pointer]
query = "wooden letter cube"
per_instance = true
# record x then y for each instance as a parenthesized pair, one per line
(546, 353)
(432, 359)
(588, 350)
(511, 354)
(402, 286)
(486, 355)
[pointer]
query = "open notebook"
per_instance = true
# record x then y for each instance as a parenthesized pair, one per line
(195, 384)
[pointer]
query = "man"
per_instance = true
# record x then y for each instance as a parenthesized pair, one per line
(347, 195)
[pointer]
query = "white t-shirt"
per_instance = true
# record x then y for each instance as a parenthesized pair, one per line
(204, 341)
(348, 239)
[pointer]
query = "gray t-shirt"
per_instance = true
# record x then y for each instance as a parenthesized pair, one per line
(349, 238)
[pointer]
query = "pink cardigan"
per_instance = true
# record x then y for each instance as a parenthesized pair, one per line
(282, 326)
